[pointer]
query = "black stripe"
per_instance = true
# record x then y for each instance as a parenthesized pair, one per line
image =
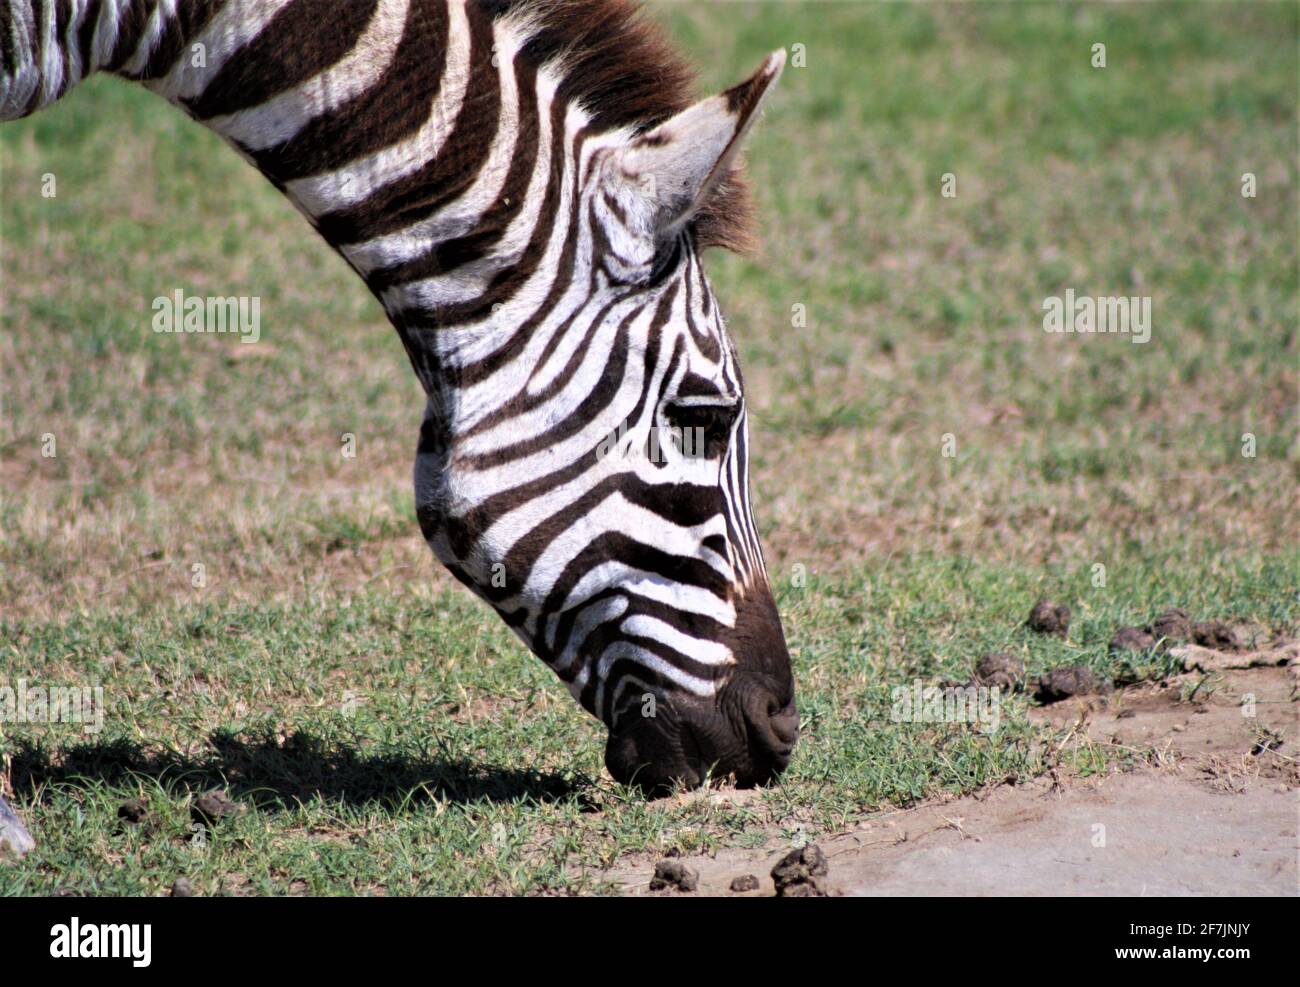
(131, 21)
(302, 40)
(62, 18)
(439, 181)
(623, 668)
(8, 51)
(704, 338)
(34, 39)
(33, 46)
(192, 16)
(606, 635)
(467, 529)
(688, 622)
(393, 108)
(505, 284)
(615, 545)
(86, 36)
(530, 401)
(681, 504)
(494, 222)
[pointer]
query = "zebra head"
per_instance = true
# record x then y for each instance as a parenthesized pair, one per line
(603, 507)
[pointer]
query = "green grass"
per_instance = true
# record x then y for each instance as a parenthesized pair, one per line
(385, 732)
(406, 745)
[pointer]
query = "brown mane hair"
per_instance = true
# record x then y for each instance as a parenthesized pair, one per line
(621, 68)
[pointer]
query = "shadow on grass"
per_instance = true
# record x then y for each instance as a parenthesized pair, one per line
(272, 775)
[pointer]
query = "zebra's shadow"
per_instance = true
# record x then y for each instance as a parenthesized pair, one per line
(275, 775)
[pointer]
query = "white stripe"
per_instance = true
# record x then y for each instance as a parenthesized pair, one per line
(520, 232)
(614, 514)
(358, 180)
(625, 649)
(76, 71)
(460, 216)
(280, 118)
(105, 34)
(466, 283)
(697, 648)
(471, 342)
(591, 617)
(679, 596)
(51, 55)
(539, 422)
(16, 89)
(149, 38)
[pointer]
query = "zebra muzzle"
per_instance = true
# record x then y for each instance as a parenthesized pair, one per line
(747, 737)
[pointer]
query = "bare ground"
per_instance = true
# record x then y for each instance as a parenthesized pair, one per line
(1207, 810)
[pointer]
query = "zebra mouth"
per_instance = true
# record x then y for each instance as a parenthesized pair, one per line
(698, 745)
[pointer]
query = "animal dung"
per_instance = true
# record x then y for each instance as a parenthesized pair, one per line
(1215, 635)
(1070, 680)
(1000, 669)
(1131, 639)
(132, 810)
(1173, 626)
(214, 805)
(674, 874)
(1049, 618)
(801, 873)
(745, 882)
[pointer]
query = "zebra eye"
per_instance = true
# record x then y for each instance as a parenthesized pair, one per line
(713, 422)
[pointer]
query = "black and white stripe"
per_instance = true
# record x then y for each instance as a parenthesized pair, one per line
(535, 241)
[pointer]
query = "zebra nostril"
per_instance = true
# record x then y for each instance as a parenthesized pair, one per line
(785, 725)
(773, 729)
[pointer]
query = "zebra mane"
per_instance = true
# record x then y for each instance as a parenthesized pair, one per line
(618, 65)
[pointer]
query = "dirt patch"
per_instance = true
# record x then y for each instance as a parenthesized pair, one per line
(1209, 808)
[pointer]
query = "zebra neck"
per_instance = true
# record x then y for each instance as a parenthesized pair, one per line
(414, 136)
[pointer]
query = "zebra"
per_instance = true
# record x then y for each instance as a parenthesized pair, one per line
(527, 187)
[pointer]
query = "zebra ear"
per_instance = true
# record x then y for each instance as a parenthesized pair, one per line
(672, 169)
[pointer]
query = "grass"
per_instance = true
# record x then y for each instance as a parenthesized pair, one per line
(384, 732)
